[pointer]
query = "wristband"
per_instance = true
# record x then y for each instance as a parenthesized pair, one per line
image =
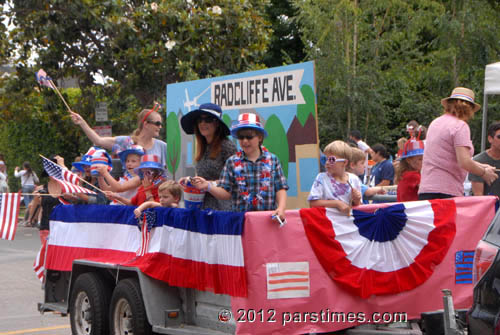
(208, 187)
(484, 172)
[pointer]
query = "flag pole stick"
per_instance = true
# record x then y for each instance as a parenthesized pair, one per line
(97, 188)
(60, 95)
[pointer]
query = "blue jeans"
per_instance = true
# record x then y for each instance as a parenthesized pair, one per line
(27, 198)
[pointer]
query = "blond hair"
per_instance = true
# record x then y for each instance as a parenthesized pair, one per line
(357, 155)
(140, 123)
(173, 187)
(339, 149)
(401, 142)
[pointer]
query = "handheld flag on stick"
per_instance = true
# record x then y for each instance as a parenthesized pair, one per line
(65, 178)
(39, 264)
(44, 80)
(9, 210)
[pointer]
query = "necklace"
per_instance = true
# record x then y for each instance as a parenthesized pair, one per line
(241, 169)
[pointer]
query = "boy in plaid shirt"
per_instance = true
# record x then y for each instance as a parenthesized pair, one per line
(252, 178)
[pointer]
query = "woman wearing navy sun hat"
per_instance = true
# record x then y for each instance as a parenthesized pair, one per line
(213, 147)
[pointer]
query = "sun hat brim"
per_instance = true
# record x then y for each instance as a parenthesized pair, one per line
(149, 165)
(416, 152)
(236, 128)
(188, 121)
(123, 154)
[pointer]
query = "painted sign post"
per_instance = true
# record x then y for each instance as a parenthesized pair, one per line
(284, 98)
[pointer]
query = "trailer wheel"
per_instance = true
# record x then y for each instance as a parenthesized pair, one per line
(127, 312)
(89, 305)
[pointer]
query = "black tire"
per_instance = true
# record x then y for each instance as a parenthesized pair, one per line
(127, 314)
(89, 305)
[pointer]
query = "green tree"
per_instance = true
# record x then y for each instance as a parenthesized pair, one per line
(143, 45)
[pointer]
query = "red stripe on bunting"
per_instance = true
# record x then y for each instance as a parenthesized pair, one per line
(366, 282)
(218, 278)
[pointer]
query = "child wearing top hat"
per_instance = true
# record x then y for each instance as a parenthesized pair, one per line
(408, 171)
(252, 178)
(152, 175)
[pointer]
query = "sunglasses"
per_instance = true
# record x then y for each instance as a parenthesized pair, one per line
(333, 160)
(156, 123)
(206, 119)
(248, 137)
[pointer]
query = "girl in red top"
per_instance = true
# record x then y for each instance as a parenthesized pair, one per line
(408, 171)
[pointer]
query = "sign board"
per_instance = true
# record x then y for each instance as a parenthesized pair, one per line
(101, 112)
(285, 99)
(103, 131)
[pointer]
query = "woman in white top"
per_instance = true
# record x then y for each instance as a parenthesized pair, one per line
(28, 181)
(4, 187)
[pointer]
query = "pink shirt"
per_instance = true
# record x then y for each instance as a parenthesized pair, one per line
(440, 170)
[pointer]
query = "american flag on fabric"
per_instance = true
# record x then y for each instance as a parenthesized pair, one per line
(43, 78)
(146, 222)
(9, 211)
(66, 179)
(39, 264)
(186, 248)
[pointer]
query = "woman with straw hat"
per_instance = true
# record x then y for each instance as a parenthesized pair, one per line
(448, 150)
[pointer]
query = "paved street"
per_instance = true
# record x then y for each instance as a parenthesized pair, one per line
(21, 290)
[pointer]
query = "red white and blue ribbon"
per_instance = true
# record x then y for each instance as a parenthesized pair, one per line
(391, 250)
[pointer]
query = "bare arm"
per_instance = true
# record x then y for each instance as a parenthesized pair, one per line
(218, 192)
(114, 196)
(116, 186)
(144, 206)
(477, 187)
(485, 171)
(338, 204)
(105, 142)
(281, 200)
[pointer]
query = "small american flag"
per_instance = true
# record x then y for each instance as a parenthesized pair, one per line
(9, 210)
(39, 264)
(288, 280)
(464, 260)
(43, 78)
(66, 179)
(148, 221)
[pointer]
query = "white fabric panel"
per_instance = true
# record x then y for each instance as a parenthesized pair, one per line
(385, 256)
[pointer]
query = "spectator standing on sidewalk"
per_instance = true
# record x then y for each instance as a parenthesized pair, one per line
(28, 181)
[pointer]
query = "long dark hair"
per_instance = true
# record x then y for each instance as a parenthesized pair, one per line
(201, 143)
(27, 167)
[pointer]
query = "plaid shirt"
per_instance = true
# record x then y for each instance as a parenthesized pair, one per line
(253, 185)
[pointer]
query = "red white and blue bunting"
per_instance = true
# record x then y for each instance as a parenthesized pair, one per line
(391, 250)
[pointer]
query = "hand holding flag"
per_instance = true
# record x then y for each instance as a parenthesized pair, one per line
(44, 80)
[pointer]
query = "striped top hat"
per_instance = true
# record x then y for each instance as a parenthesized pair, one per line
(247, 121)
(149, 162)
(412, 148)
(85, 161)
(462, 93)
(99, 156)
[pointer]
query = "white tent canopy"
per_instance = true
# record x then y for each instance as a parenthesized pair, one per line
(491, 86)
